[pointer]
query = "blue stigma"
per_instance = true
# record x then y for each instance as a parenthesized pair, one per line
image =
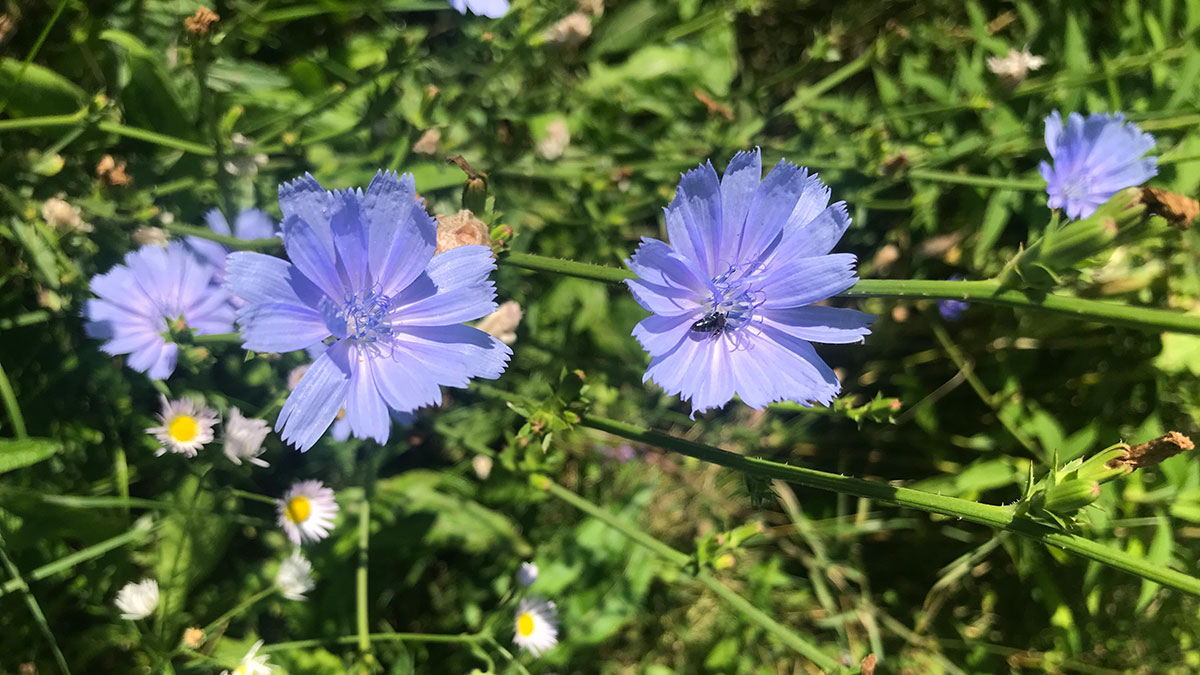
(363, 316)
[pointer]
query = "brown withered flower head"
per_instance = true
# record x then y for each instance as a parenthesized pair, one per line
(1153, 451)
(461, 229)
(112, 172)
(201, 22)
(1179, 210)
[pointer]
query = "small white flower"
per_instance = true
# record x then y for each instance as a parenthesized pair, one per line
(251, 664)
(294, 577)
(148, 235)
(527, 574)
(244, 438)
(137, 600)
(306, 512)
(185, 428)
(536, 626)
(1013, 68)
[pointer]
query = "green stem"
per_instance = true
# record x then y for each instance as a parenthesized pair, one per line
(21, 123)
(254, 496)
(35, 609)
(984, 292)
(464, 638)
(10, 403)
(998, 517)
(364, 540)
(238, 609)
(683, 561)
(1030, 184)
(218, 339)
(156, 138)
(268, 244)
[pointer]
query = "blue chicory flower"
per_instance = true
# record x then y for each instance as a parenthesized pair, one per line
(1094, 158)
(340, 429)
(952, 310)
(493, 9)
(140, 300)
(733, 294)
(363, 273)
(249, 224)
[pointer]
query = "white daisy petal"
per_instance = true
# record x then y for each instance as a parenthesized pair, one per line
(252, 663)
(306, 512)
(137, 600)
(244, 438)
(294, 577)
(536, 626)
(184, 427)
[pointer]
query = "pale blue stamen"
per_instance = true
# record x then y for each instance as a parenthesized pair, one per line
(365, 314)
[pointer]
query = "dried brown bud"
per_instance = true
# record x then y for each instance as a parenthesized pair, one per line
(571, 30)
(1154, 451)
(193, 637)
(430, 143)
(460, 229)
(1179, 210)
(714, 106)
(201, 22)
(60, 215)
(7, 24)
(148, 235)
(502, 323)
(112, 172)
(558, 137)
(868, 665)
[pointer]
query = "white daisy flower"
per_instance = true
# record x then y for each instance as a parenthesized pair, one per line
(1013, 67)
(536, 627)
(527, 574)
(137, 600)
(244, 438)
(306, 512)
(185, 428)
(294, 577)
(251, 664)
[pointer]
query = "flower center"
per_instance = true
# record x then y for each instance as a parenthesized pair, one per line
(1077, 188)
(525, 624)
(299, 508)
(730, 305)
(183, 429)
(365, 313)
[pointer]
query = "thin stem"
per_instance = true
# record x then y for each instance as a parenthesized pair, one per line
(1001, 518)
(1030, 184)
(464, 638)
(156, 138)
(10, 403)
(268, 244)
(35, 609)
(254, 496)
(367, 462)
(238, 609)
(985, 292)
(683, 561)
(137, 534)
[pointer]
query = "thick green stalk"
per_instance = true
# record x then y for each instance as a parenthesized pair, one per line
(1001, 518)
(784, 634)
(985, 292)
(10, 403)
(218, 339)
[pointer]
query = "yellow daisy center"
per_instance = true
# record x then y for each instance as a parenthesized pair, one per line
(299, 508)
(183, 429)
(242, 669)
(525, 624)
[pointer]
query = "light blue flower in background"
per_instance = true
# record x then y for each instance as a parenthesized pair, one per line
(493, 9)
(733, 294)
(1094, 158)
(249, 224)
(363, 273)
(137, 302)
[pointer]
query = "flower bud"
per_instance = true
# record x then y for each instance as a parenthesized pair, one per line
(1068, 497)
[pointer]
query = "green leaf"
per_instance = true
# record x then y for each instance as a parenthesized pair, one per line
(32, 90)
(20, 453)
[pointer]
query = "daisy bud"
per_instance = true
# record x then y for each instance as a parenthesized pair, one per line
(193, 637)
(527, 574)
(244, 438)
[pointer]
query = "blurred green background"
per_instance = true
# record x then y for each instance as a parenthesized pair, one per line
(583, 128)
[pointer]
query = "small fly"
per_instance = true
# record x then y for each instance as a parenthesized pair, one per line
(713, 322)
